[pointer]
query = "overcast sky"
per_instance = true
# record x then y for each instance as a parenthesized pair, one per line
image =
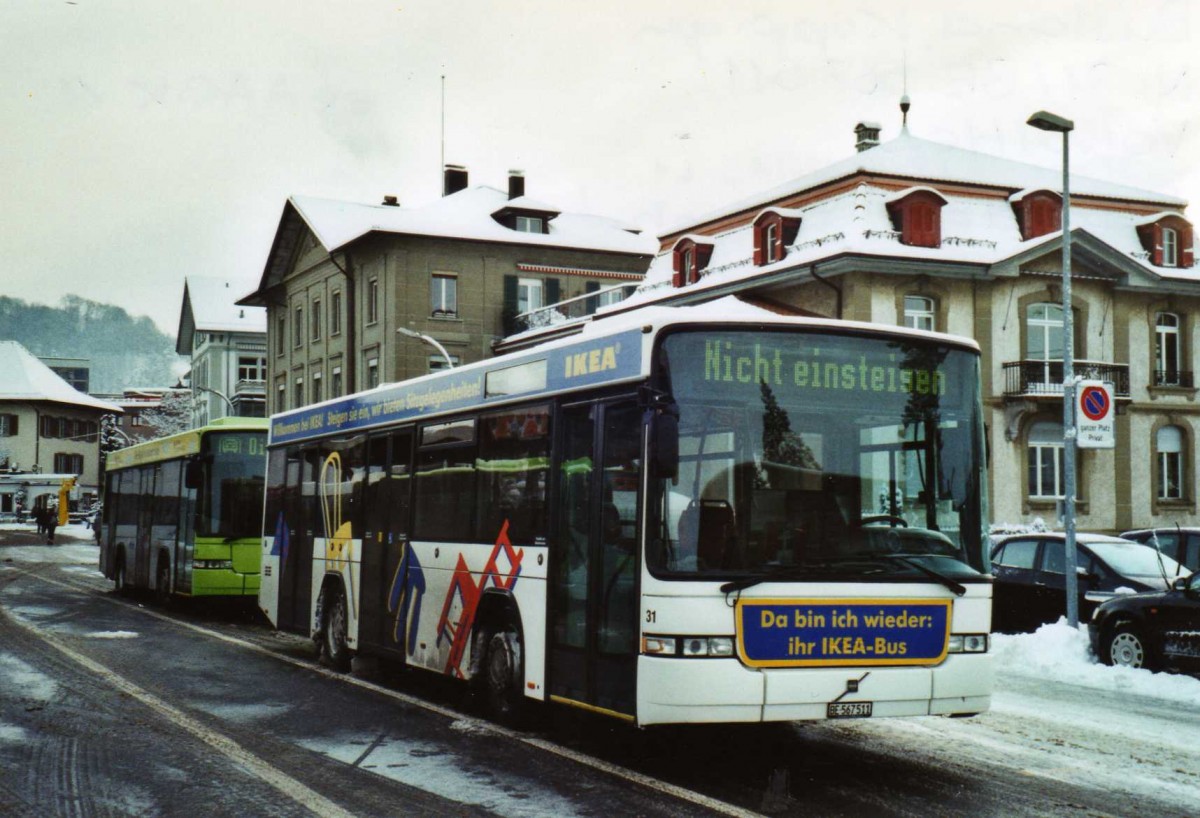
(142, 142)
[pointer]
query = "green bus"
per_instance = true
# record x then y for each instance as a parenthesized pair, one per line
(183, 513)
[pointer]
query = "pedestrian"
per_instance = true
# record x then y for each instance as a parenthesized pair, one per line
(51, 523)
(39, 517)
(96, 525)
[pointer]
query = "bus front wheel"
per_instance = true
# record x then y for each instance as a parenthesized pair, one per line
(333, 630)
(503, 672)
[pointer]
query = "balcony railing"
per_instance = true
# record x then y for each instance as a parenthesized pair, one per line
(1173, 377)
(1031, 378)
(248, 387)
(569, 309)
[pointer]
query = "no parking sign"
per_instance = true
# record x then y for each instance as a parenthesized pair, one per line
(1094, 415)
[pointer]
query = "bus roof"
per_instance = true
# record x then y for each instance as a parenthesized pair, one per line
(182, 444)
(610, 351)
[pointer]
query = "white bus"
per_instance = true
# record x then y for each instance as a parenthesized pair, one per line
(679, 517)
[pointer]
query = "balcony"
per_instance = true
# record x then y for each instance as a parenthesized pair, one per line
(247, 388)
(1044, 378)
(570, 309)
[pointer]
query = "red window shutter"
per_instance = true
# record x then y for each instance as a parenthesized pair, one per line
(676, 276)
(1187, 253)
(759, 255)
(1156, 255)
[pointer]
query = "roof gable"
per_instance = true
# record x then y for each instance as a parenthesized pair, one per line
(24, 377)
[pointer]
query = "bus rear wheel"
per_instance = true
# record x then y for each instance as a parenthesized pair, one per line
(334, 620)
(503, 671)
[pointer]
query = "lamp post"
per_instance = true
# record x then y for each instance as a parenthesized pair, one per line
(1043, 120)
(221, 395)
(412, 333)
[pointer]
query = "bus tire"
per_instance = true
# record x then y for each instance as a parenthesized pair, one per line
(162, 582)
(334, 619)
(503, 673)
(120, 581)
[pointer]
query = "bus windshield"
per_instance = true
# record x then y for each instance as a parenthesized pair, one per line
(230, 501)
(810, 453)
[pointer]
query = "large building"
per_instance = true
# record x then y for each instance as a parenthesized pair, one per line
(912, 232)
(227, 345)
(343, 278)
(47, 428)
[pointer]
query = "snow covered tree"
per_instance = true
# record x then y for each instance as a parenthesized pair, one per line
(173, 415)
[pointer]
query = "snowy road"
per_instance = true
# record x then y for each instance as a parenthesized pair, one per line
(1065, 736)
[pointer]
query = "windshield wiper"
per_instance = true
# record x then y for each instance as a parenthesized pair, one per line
(800, 571)
(907, 559)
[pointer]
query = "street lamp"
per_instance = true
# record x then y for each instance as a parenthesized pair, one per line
(412, 333)
(1043, 120)
(221, 395)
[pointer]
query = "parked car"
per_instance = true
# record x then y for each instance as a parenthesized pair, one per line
(1150, 630)
(1030, 581)
(1180, 544)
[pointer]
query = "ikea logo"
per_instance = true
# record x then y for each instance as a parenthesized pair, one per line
(588, 363)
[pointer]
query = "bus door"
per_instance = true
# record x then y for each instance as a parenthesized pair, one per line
(145, 521)
(295, 563)
(594, 635)
(385, 541)
(185, 549)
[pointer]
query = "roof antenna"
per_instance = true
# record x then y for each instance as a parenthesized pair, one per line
(905, 104)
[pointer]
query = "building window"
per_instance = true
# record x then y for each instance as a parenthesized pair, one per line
(316, 319)
(1046, 464)
(1170, 247)
(68, 463)
(280, 332)
(281, 397)
(372, 301)
(437, 363)
(316, 388)
(917, 215)
(444, 296)
(529, 294)
(298, 329)
(372, 373)
(529, 224)
(335, 313)
(8, 425)
(918, 312)
(136, 420)
(1044, 339)
(613, 295)
(252, 368)
(1168, 442)
(1166, 349)
(298, 393)
(335, 382)
(770, 243)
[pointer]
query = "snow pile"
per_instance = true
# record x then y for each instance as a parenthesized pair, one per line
(1059, 653)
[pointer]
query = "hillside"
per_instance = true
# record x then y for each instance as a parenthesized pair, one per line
(124, 350)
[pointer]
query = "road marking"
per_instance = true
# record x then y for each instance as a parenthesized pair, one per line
(298, 792)
(600, 765)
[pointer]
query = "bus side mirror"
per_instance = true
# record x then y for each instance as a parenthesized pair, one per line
(664, 442)
(193, 475)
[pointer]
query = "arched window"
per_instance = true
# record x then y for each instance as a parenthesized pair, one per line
(1168, 443)
(1045, 460)
(918, 312)
(1166, 349)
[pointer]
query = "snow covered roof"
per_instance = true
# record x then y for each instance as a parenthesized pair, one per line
(910, 157)
(24, 377)
(975, 230)
(466, 214)
(210, 305)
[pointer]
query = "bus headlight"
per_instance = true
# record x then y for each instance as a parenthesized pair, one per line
(658, 645)
(968, 643)
(689, 647)
(227, 564)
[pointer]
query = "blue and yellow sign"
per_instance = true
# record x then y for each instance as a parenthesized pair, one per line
(842, 632)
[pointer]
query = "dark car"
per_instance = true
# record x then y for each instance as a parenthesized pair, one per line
(1180, 544)
(1150, 630)
(1030, 581)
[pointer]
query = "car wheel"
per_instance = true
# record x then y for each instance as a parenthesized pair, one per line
(1126, 647)
(333, 631)
(503, 672)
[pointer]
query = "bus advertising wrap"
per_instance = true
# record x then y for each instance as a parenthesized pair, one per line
(587, 363)
(836, 632)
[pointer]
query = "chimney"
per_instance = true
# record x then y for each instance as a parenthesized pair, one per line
(390, 201)
(867, 135)
(516, 184)
(454, 179)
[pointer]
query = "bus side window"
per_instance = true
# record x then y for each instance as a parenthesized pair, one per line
(445, 482)
(514, 459)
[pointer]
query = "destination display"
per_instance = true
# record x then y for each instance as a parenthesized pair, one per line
(830, 633)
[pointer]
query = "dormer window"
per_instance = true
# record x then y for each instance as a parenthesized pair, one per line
(1167, 239)
(1038, 212)
(690, 256)
(530, 224)
(774, 230)
(916, 214)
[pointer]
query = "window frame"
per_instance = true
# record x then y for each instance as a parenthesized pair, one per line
(1170, 247)
(912, 316)
(442, 285)
(373, 300)
(525, 288)
(315, 320)
(335, 313)
(298, 329)
(1048, 453)
(529, 224)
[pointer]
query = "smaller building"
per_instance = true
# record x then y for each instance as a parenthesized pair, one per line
(227, 345)
(46, 427)
(75, 371)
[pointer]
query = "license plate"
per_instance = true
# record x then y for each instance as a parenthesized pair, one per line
(848, 710)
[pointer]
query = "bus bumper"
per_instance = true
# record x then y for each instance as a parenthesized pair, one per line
(723, 690)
